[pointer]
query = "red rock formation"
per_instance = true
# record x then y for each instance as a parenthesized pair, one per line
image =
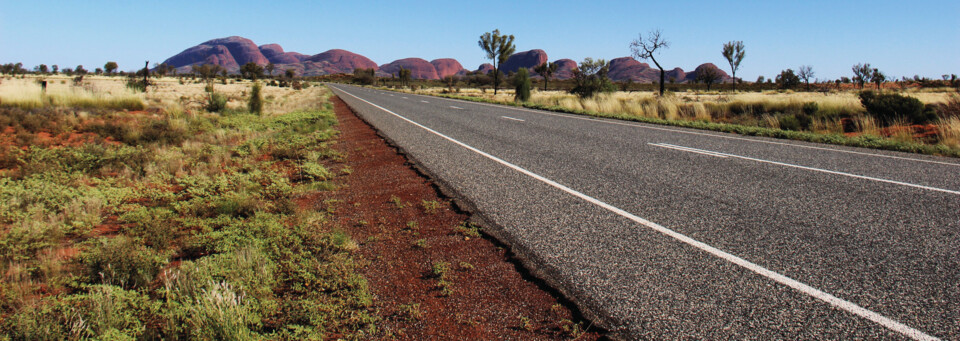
(447, 67)
(527, 59)
(228, 52)
(565, 69)
(419, 68)
(336, 61)
(625, 68)
(485, 68)
(275, 54)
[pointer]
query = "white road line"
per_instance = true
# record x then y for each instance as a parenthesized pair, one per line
(692, 150)
(422, 101)
(458, 108)
(511, 118)
(647, 126)
(901, 183)
(756, 268)
(404, 97)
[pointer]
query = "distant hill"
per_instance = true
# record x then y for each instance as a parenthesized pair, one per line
(233, 52)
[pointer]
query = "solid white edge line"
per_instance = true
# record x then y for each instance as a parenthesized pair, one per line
(756, 268)
(511, 118)
(648, 126)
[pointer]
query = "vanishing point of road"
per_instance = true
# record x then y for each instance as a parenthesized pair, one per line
(665, 233)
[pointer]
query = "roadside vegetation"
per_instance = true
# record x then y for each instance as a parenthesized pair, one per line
(174, 223)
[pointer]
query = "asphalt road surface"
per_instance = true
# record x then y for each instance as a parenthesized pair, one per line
(661, 232)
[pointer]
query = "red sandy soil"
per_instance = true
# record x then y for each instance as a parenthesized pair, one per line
(491, 298)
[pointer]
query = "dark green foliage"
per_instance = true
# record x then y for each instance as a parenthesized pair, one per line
(216, 102)
(888, 107)
(110, 67)
(787, 79)
(364, 76)
(811, 108)
(255, 104)
(522, 84)
(251, 71)
(590, 78)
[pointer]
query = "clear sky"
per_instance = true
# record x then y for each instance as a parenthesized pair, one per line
(902, 38)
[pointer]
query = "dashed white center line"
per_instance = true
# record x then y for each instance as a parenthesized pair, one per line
(458, 108)
(404, 97)
(864, 177)
(511, 118)
(422, 101)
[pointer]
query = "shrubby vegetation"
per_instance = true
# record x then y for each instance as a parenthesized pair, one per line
(176, 227)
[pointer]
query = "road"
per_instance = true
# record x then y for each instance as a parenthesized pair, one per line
(662, 232)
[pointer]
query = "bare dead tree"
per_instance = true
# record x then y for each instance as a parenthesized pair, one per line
(647, 48)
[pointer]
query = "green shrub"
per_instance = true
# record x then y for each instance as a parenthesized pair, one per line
(121, 261)
(216, 102)
(889, 107)
(255, 105)
(103, 312)
(522, 84)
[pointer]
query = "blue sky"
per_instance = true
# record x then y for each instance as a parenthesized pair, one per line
(902, 38)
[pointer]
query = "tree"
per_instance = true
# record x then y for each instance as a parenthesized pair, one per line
(805, 72)
(787, 79)
(255, 104)
(80, 70)
(270, 68)
(364, 76)
(43, 69)
(206, 71)
(498, 48)
(647, 48)
(590, 78)
(877, 77)
(98, 71)
(290, 73)
(252, 71)
(708, 75)
(861, 73)
(55, 69)
(733, 51)
(760, 79)
(110, 67)
(404, 75)
(521, 83)
(546, 71)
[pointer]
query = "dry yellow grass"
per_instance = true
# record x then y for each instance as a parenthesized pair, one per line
(167, 94)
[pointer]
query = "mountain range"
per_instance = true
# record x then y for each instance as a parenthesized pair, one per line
(232, 52)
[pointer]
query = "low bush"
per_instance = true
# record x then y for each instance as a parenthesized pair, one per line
(121, 261)
(890, 107)
(216, 102)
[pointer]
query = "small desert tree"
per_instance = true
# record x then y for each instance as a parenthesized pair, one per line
(877, 77)
(708, 75)
(498, 47)
(270, 68)
(787, 79)
(590, 78)
(110, 67)
(290, 73)
(546, 71)
(805, 72)
(80, 70)
(42, 68)
(364, 76)
(521, 83)
(861, 73)
(647, 49)
(252, 71)
(404, 75)
(733, 51)
(55, 68)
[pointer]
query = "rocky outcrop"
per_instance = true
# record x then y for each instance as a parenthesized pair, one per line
(230, 53)
(565, 69)
(336, 61)
(625, 68)
(527, 59)
(419, 68)
(447, 67)
(275, 54)
(485, 68)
